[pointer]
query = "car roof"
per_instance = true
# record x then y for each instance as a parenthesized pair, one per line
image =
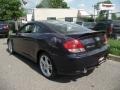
(56, 22)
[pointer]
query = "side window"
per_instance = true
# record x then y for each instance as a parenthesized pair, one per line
(28, 29)
(40, 29)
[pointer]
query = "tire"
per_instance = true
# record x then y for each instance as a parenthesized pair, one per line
(89, 72)
(10, 47)
(46, 66)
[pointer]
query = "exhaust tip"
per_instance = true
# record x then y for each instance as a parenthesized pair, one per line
(84, 71)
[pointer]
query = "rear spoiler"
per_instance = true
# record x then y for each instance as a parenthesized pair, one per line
(92, 33)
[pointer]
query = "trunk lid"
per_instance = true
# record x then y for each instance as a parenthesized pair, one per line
(91, 40)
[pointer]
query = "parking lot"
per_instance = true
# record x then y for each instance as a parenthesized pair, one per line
(18, 73)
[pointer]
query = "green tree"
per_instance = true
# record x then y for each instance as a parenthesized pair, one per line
(11, 9)
(52, 4)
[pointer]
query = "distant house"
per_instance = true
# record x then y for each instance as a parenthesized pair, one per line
(58, 14)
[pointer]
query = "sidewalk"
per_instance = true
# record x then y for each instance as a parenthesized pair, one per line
(114, 57)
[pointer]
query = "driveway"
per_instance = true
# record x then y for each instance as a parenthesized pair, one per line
(18, 73)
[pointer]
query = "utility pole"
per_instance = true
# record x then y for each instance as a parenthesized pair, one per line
(94, 14)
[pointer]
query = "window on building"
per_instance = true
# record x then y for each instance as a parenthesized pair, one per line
(51, 18)
(69, 19)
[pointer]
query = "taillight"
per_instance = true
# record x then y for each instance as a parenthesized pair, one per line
(5, 27)
(74, 46)
(110, 29)
(105, 39)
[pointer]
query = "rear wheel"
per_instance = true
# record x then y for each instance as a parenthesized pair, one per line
(46, 66)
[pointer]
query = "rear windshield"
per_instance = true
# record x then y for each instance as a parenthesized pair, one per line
(67, 27)
(89, 24)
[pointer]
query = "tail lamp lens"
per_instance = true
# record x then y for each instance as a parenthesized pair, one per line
(74, 46)
(105, 39)
(5, 27)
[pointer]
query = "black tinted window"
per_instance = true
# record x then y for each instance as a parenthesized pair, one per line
(101, 26)
(116, 23)
(41, 29)
(67, 27)
(28, 29)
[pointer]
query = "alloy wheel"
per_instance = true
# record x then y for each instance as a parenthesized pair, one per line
(46, 66)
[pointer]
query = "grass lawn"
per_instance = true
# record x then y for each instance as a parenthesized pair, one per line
(114, 46)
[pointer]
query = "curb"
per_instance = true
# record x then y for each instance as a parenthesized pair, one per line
(114, 57)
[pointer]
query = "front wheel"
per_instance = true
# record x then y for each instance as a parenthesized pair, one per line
(46, 66)
(10, 47)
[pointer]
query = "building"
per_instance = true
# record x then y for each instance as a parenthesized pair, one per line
(58, 14)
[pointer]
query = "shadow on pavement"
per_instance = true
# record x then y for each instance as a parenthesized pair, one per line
(59, 78)
(2, 37)
(3, 40)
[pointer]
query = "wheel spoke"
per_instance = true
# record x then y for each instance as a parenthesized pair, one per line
(42, 61)
(50, 67)
(48, 72)
(46, 60)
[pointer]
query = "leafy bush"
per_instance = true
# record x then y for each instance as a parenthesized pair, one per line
(114, 47)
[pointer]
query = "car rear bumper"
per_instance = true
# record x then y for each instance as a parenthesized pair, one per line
(75, 64)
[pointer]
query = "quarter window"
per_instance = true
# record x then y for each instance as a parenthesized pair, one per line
(41, 29)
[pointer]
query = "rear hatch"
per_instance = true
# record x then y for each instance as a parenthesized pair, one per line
(91, 41)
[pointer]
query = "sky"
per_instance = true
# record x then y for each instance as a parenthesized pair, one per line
(78, 4)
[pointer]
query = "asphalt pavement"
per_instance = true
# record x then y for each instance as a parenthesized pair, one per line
(19, 73)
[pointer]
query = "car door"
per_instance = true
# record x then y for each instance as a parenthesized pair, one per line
(33, 39)
(30, 41)
(21, 37)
